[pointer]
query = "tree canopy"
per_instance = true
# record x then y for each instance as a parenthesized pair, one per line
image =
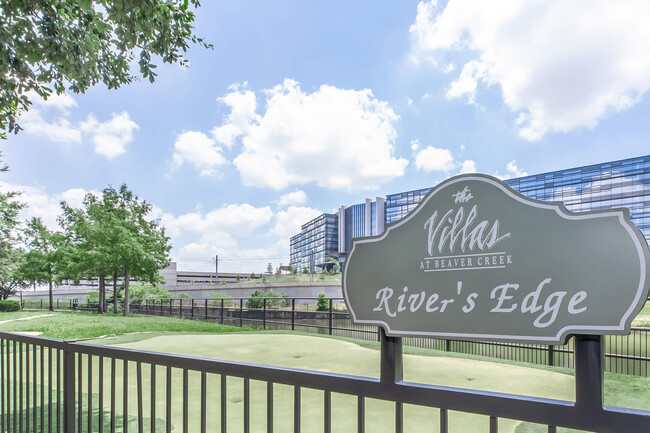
(57, 45)
(113, 235)
(10, 254)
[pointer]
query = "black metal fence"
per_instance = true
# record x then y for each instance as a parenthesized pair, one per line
(628, 354)
(57, 386)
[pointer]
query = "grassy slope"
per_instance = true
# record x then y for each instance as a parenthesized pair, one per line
(81, 325)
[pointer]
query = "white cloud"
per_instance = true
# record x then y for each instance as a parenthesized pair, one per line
(561, 65)
(46, 206)
(337, 138)
(242, 117)
(289, 221)
(433, 159)
(468, 166)
(242, 219)
(199, 150)
(110, 137)
(512, 170)
(295, 197)
(59, 129)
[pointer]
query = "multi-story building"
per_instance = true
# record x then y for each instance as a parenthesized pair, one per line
(615, 184)
(624, 183)
(317, 240)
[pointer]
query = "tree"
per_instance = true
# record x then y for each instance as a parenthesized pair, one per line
(140, 246)
(48, 45)
(39, 263)
(269, 268)
(10, 254)
(112, 236)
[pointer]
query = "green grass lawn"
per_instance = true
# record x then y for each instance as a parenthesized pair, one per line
(643, 318)
(75, 325)
(304, 351)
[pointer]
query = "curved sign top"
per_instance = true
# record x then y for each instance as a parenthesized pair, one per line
(476, 260)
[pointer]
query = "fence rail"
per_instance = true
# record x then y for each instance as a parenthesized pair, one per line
(623, 354)
(52, 385)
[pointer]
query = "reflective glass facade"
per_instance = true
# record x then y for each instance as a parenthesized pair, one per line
(355, 223)
(624, 183)
(319, 236)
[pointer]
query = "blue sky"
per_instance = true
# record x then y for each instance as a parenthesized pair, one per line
(303, 106)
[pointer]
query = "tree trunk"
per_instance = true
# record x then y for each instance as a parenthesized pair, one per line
(102, 294)
(115, 310)
(51, 297)
(126, 292)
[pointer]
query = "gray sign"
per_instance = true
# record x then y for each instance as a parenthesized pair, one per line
(478, 261)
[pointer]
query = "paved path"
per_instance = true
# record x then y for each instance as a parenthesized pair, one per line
(26, 318)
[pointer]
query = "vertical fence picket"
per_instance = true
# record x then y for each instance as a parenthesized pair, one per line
(269, 407)
(79, 393)
(361, 414)
(444, 421)
(168, 401)
(224, 403)
(327, 412)
(139, 396)
(89, 398)
(125, 396)
(186, 415)
(153, 398)
(203, 402)
(113, 403)
(296, 409)
(247, 407)
(100, 403)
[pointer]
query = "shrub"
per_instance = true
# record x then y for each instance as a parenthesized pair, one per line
(215, 299)
(92, 297)
(322, 303)
(148, 291)
(9, 305)
(256, 300)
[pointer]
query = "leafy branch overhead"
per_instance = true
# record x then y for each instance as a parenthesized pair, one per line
(57, 45)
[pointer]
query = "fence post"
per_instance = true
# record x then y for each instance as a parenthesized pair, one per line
(241, 312)
(192, 308)
(180, 308)
(589, 362)
(293, 314)
(41, 304)
(448, 345)
(170, 307)
(551, 353)
(57, 304)
(264, 314)
(206, 310)
(222, 311)
(330, 317)
(68, 389)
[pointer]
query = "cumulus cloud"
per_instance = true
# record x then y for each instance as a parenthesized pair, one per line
(468, 166)
(59, 129)
(512, 170)
(44, 205)
(295, 197)
(336, 138)
(199, 150)
(242, 104)
(561, 65)
(433, 159)
(110, 137)
(50, 119)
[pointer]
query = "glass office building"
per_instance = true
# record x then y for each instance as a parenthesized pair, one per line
(317, 240)
(624, 183)
(616, 184)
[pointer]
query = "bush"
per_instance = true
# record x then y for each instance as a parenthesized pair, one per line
(322, 303)
(91, 298)
(256, 300)
(148, 291)
(8, 305)
(215, 299)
